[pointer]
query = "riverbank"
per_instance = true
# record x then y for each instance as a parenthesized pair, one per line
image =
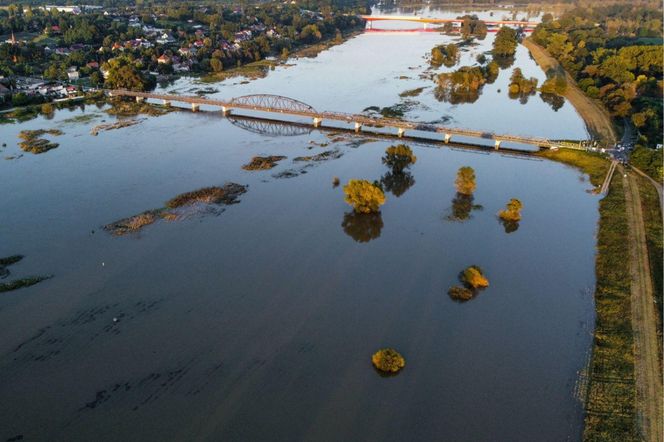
(260, 68)
(610, 398)
(597, 119)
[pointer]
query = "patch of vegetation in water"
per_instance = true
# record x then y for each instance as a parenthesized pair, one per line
(179, 207)
(323, 156)
(85, 118)
(473, 280)
(126, 108)
(21, 283)
(227, 194)
(111, 126)
(263, 163)
(412, 92)
(396, 111)
(33, 143)
(20, 115)
(17, 283)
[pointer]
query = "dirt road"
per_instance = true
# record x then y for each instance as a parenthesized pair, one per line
(595, 116)
(646, 364)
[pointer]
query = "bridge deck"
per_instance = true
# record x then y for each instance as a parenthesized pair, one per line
(416, 19)
(363, 120)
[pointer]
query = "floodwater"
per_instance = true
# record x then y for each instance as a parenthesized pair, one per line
(257, 321)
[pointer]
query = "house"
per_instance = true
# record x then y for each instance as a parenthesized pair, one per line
(164, 59)
(165, 38)
(117, 46)
(55, 29)
(72, 73)
(185, 52)
(93, 65)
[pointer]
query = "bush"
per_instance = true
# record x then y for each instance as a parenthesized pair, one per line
(388, 360)
(513, 211)
(364, 196)
(473, 278)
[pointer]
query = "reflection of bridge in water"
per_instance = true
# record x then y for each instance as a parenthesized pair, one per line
(278, 108)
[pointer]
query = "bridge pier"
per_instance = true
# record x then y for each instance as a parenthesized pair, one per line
(195, 107)
(401, 132)
(358, 127)
(166, 103)
(225, 111)
(448, 137)
(317, 121)
(140, 99)
(497, 145)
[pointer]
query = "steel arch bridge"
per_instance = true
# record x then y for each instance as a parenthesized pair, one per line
(275, 102)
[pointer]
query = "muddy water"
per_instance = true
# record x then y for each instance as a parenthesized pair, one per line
(257, 321)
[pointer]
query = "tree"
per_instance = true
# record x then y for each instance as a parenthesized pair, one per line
(399, 157)
(365, 197)
(505, 42)
(123, 74)
(474, 278)
(465, 181)
(513, 211)
(388, 360)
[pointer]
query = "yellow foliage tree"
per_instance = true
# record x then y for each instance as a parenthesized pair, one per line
(513, 211)
(388, 360)
(474, 278)
(465, 180)
(365, 197)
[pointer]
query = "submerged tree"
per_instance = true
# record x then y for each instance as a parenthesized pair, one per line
(398, 180)
(399, 157)
(465, 180)
(512, 212)
(511, 216)
(388, 360)
(504, 45)
(365, 197)
(473, 280)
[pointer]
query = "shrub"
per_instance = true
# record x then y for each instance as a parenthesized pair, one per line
(474, 278)
(513, 211)
(388, 360)
(465, 180)
(364, 196)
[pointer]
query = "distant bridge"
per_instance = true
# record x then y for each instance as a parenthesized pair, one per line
(278, 106)
(413, 18)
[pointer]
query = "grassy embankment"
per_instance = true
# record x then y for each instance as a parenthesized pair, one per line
(597, 119)
(652, 217)
(611, 395)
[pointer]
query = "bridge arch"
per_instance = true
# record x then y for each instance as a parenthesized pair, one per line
(276, 102)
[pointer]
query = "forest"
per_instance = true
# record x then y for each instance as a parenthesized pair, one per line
(614, 53)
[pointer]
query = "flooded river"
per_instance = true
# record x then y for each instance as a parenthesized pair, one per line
(257, 320)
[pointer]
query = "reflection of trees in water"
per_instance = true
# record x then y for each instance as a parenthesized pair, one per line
(504, 62)
(523, 98)
(362, 227)
(553, 100)
(462, 207)
(397, 182)
(510, 226)
(455, 96)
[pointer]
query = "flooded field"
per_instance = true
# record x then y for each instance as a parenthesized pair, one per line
(255, 317)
